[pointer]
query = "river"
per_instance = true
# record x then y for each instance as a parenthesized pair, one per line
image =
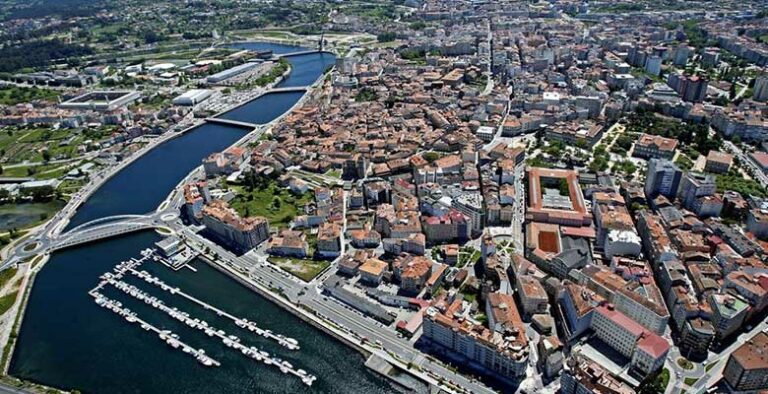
(67, 341)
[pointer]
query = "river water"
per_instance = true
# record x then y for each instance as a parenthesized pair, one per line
(67, 341)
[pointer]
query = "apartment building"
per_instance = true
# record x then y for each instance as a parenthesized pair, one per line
(655, 147)
(646, 350)
(747, 367)
(223, 223)
(504, 352)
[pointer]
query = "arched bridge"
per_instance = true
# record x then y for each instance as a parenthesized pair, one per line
(104, 228)
(92, 231)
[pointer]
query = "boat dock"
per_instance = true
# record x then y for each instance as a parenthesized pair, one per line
(114, 279)
(289, 343)
(165, 335)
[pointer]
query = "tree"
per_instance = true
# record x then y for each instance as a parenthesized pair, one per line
(431, 156)
(386, 36)
(46, 156)
(654, 384)
(625, 141)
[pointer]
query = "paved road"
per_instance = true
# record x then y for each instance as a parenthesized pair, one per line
(8, 389)
(757, 172)
(259, 270)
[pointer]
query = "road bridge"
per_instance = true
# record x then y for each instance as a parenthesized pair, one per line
(102, 231)
(230, 122)
(297, 53)
(95, 230)
(300, 89)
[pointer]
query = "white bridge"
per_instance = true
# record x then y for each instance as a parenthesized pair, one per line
(104, 228)
(95, 230)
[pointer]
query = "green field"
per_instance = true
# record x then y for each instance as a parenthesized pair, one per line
(14, 95)
(261, 201)
(334, 173)
(6, 276)
(303, 269)
(6, 301)
(17, 146)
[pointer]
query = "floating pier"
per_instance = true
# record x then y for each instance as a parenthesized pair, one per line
(114, 279)
(287, 342)
(169, 337)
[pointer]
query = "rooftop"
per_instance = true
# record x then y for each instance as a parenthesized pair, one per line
(753, 354)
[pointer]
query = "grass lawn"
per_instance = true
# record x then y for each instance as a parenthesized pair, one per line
(6, 275)
(15, 95)
(710, 366)
(303, 269)
(71, 185)
(469, 297)
(334, 174)
(468, 256)
(6, 302)
(261, 202)
(664, 375)
(42, 172)
(690, 381)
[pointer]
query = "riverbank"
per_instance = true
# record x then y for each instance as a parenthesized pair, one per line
(11, 323)
(365, 348)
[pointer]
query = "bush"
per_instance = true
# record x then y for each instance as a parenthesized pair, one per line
(431, 156)
(386, 37)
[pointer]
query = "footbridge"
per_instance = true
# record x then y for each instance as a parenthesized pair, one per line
(297, 53)
(230, 122)
(92, 231)
(106, 227)
(300, 89)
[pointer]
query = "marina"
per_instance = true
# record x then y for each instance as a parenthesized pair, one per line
(169, 337)
(284, 341)
(114, 279)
